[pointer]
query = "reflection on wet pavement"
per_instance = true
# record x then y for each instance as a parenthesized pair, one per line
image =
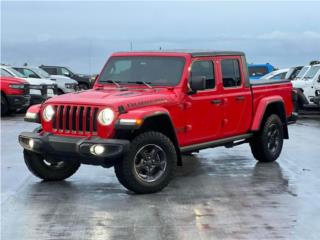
(218, 194)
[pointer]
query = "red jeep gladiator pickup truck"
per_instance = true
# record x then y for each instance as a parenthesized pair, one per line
(14, 94)
(147, 109)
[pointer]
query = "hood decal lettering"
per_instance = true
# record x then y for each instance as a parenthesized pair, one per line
(146, 103)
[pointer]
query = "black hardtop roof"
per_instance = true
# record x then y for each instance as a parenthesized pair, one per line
(215, 53)
(194, 53)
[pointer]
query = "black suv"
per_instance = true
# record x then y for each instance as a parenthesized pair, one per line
(85, 81)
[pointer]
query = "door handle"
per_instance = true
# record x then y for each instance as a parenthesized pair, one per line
(216, 101)
(239, 98)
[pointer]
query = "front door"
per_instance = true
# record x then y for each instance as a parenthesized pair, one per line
(203, 108)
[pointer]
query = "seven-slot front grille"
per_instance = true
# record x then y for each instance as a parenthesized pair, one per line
(75, 119)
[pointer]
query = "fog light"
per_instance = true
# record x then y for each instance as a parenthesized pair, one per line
(97, 149)
(31, 143)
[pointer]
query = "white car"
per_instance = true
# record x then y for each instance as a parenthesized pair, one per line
(65, 84)
(308, 85)
(278, 74)
(45, 86)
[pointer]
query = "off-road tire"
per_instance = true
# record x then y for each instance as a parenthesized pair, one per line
(4, 106)
(124, 168)
(261, 141)
(36, 165)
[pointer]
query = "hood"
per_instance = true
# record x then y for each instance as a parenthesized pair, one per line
(129, 99)
(13, 80)
(38, 81)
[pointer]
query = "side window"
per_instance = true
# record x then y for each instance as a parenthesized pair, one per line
(29, 73)
(51, 71)
(230, 73)
(65, 72)
(4, 73)
(204, 69)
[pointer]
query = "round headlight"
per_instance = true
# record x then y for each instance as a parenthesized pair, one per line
(48, 113)
(106, 116)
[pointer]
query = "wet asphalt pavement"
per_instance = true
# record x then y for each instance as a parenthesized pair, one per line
(218, 194)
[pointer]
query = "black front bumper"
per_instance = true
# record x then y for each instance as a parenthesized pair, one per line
(37, 99)
(17, 102)
(75, 147)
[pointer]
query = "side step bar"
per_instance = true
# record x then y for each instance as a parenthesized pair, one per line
(216, 143)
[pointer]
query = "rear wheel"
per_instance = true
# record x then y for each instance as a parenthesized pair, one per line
(266, 145)
(4, 106)
(149, 165)
(50, 169)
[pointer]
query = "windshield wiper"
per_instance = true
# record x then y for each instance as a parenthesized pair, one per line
(143, 82)
(112, 81)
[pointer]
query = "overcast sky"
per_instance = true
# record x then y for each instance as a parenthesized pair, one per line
(83, 34)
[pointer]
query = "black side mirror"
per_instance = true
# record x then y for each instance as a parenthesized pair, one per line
(197, 83)
(319, 78)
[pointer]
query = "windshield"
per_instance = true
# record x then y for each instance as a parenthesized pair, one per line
(41, 72)
(257, 71)
(16, 73)
(302, 72)
(165, 71)
(312, 72)
(275, 75)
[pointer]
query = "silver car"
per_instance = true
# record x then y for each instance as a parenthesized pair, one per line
(65, 84)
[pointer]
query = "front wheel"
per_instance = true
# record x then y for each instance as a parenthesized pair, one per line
(149, 165)
(266, 145)
(50, 169)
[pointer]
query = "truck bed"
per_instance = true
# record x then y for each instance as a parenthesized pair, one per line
(272, 88)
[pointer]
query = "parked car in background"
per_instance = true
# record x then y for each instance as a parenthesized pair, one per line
(285, 73)
(65, 84)
(277, 74)
(307, 88)
(257, 71)
(84, 81)
(42, 88)
(14, 94)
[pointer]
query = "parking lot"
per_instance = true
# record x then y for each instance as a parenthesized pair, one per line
(218, 194)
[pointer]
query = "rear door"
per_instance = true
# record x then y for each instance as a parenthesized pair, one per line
(204, 108)
(237, 99)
